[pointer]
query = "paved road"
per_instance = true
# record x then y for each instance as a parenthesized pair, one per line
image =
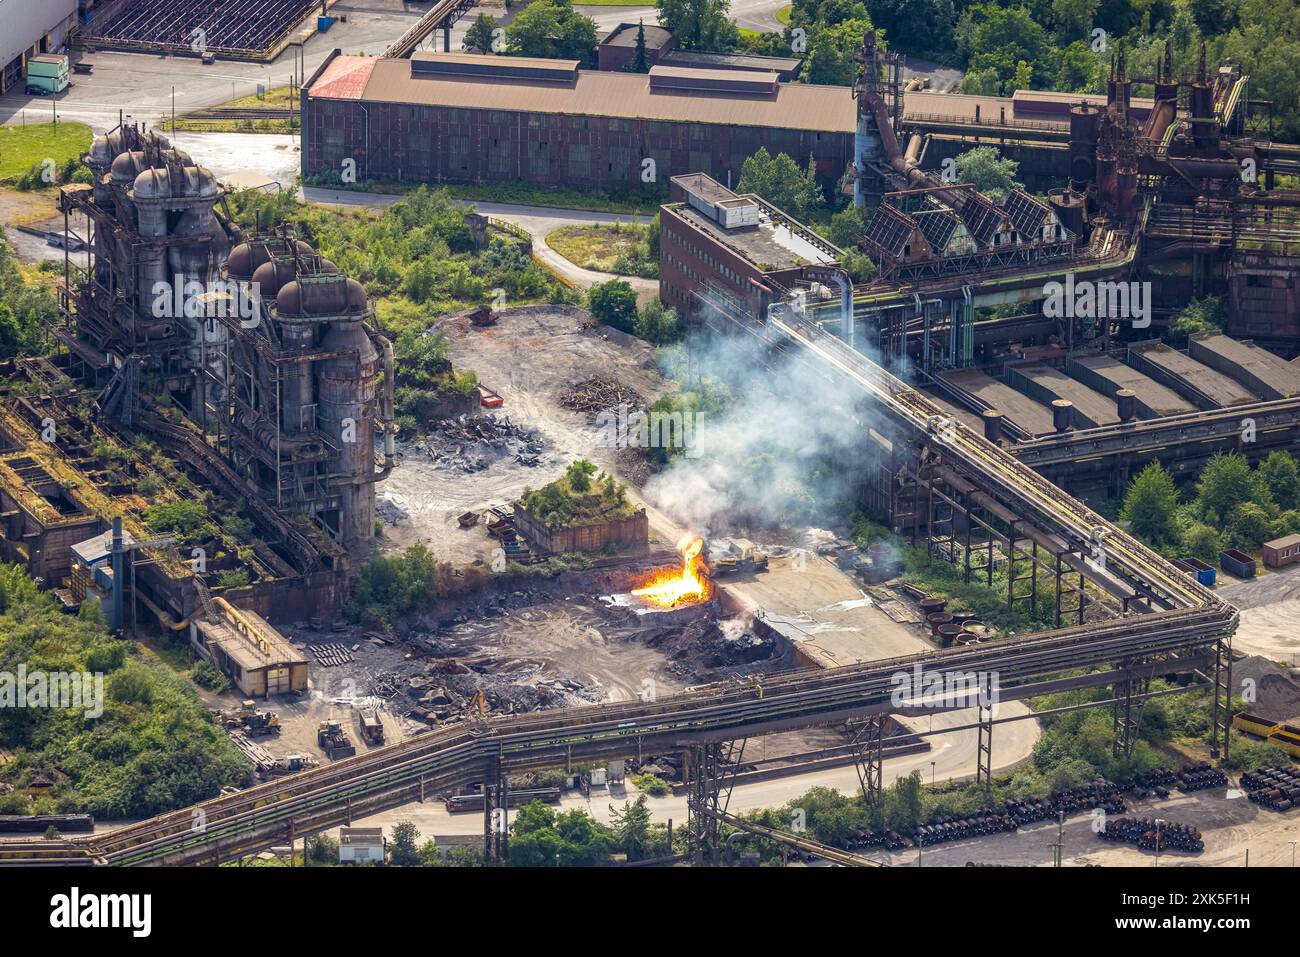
(953, 756)
(1270, 608)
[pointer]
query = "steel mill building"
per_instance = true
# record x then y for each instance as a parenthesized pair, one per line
(471, 118)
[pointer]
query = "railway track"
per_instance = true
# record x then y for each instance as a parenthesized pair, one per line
(1183, 635)
(242, 113)
(323, 797)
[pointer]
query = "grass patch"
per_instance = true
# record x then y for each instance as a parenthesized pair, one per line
(22, 147)
(597, 247)
(524, 194)
(277, 96)
(783, 15)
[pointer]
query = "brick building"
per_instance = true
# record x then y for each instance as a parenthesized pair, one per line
(618, 49)
(741, 248)
(469, 118)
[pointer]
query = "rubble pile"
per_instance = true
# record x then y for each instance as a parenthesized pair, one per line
(448, 688)
(702, 648)
(471, 443)
(600, 393)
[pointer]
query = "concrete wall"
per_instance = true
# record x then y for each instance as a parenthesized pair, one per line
(24, 23)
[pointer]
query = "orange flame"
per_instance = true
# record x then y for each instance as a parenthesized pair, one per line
(672, 587)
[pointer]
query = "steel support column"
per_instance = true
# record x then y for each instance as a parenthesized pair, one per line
(984, 747)
(1221, 719)
(713, 775)
(868, 744)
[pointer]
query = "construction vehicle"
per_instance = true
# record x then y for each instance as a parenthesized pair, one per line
(372, 729)
(292, 764)
(250, 720)
(334, 741)
(730, 556)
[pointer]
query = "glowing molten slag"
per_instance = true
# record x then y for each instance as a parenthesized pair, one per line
(669, 588)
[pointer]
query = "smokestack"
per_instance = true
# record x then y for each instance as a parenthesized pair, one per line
(992, 425)
(1062, 415)
(1126, 405)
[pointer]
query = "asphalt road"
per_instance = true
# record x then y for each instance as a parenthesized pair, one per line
(953, 756)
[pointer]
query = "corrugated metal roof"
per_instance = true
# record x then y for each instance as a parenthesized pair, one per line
(729, 61)
(494, 65)
(345, 78)
(715, 81)
(618, 95)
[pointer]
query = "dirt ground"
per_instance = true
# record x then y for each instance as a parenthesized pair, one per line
(529, 357)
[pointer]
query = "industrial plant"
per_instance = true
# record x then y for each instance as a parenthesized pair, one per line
(658, 451)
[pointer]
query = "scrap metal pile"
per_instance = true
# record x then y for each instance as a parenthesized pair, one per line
(472, 443)
(1277, 789)
(1150, 835)
(940, 829)
(330, 654)
(449, 689)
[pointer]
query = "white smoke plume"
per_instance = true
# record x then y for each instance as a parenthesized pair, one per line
(789, 437)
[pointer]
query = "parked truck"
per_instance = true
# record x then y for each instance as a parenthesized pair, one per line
(729, 556)
(47, 73)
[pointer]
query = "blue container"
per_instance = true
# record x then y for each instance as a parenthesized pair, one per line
(1237, 563)
(324, 23)
(1205, 574)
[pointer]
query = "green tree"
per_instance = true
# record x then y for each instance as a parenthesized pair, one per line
(657, 323)
(986, 168)
(640, 60)
(552, 28)
(321, 849)
(1000, 38)
(1079, 69)
(614, 304)
(846, 226)
(1226, 482)
(402, 849)
(482, 34)
(1249, 525)
(1280, 475)
(917, 27)
(700, 24)
(1203, 542)
(579, 475)
(631, 827)
(542, 838)
(1074, 19)
(1199, 315)
(779, 180)
(1151, 506)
